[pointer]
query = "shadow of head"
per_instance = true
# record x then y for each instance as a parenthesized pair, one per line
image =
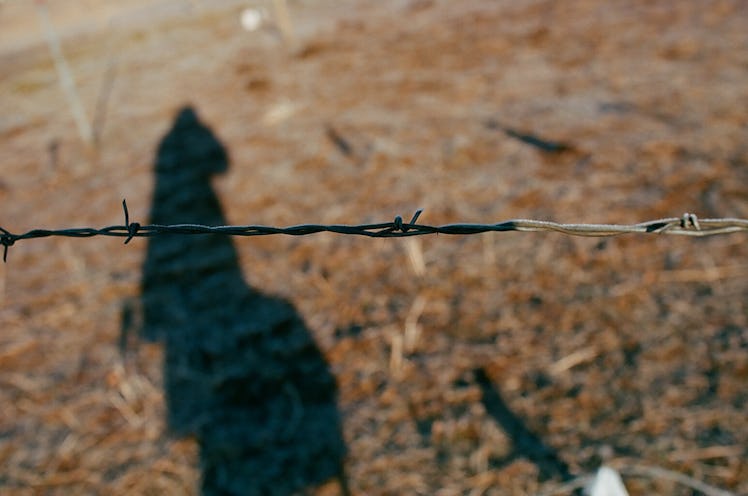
(190, 148)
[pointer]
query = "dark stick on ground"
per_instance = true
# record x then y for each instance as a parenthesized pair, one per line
(542, 144)
(339, 141)
(526, 443)
(102, 102)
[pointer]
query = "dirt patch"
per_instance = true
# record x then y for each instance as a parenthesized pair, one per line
(526, 359)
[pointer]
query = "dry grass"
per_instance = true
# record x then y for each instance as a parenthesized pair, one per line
(628, 348)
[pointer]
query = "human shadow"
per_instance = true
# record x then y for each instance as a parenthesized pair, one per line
(242, 373)
(526, 443)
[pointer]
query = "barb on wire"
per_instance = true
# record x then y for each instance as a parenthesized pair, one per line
(688, 225)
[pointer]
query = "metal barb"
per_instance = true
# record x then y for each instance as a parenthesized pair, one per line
(6, 239)
(399, 227)
(132, 228)
(415, 217)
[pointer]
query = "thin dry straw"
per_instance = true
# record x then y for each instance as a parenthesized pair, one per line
(65, 75)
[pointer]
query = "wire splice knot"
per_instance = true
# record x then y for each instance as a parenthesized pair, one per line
(690, 221)
(397, 225)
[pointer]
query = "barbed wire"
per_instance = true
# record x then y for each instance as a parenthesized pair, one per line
(688, 224)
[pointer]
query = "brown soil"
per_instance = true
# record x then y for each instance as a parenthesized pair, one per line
(537, 357)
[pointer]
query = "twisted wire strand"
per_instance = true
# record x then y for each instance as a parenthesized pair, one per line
(687, 225)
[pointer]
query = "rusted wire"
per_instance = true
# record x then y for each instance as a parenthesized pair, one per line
(688, 225)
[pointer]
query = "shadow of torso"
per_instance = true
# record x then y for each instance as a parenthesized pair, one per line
(241, 371)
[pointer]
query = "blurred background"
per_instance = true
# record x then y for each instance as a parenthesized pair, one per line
(505, 363)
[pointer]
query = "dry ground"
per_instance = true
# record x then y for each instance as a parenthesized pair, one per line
(628, 351)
